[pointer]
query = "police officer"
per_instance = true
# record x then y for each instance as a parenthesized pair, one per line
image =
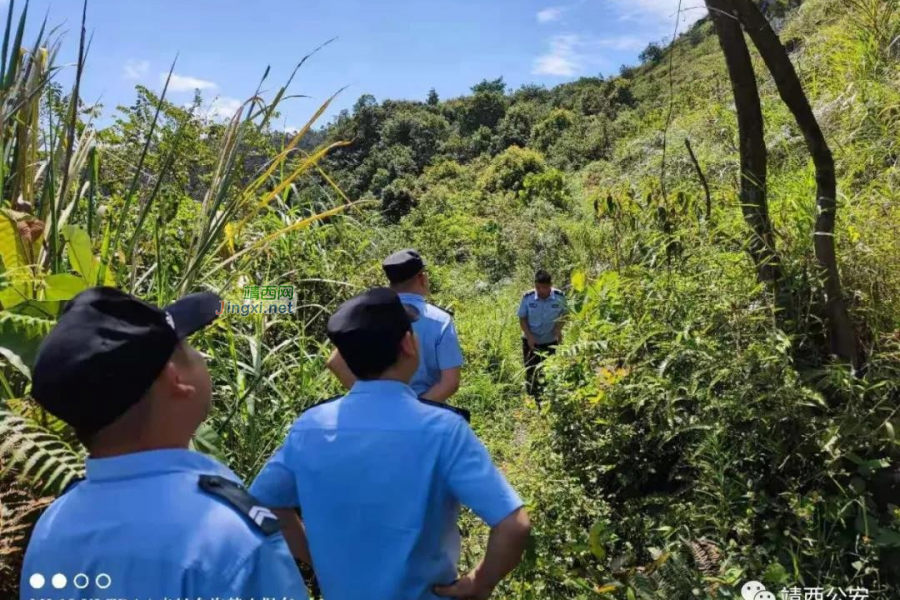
(379, 474)
(540, 317)
(441, 359)
(152, 519)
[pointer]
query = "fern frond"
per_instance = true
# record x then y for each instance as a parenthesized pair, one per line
(18, 511)
(21, 334)
(707, 556)
(36, 456)
(27, 325)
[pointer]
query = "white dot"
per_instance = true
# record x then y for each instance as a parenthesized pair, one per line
(81, 581)
(37, 581)
(59, 581)
(107, 578)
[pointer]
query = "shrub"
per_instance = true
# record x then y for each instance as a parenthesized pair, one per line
(652, 54)
(397, 200)
(548, 131)
(548, 186)
(508, 169)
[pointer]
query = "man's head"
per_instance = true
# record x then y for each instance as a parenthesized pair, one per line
(543, 284)
(119, 371)
(373, 332)
(406, 272)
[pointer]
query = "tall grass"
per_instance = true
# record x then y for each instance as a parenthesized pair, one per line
(61, 233)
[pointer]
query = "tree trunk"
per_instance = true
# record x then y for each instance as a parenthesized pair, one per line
(752, 143)
(845, 341)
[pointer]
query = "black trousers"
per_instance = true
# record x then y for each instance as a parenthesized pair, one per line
(533, 360)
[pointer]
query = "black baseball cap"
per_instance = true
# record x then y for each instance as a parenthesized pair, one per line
(402, 265)
(367, 330)
(107, 349)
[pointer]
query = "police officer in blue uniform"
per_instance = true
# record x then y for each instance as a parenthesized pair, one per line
(440, 357)
(379, 474)
(152, 519)
(541, 319)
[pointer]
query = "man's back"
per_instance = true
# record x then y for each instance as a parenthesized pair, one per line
(378, 476)
(438, 343)
(141, 526)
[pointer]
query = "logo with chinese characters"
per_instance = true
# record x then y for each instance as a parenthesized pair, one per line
(262, 300)
(754, 590)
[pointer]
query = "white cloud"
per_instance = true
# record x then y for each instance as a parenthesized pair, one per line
(136, 69)
(654, 20)
(223, 108)
(186, 83)
(563, 60)
(549, 14)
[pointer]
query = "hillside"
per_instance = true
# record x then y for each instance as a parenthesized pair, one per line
(699, 444)
(694, 439)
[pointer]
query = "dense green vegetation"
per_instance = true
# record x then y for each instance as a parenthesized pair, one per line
(693, 438)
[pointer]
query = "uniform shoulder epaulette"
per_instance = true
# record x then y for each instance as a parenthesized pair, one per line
(465, 414)
(528, 293)
(238, 497)
(559, 292)
(71, 485)
(321, 402)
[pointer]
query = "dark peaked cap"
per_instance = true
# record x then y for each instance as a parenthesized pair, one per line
(373, 318)
(403, 265)
(107, 349)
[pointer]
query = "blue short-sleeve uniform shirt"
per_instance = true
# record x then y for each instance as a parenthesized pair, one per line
(542, 314)
(379, 477)
(139, 526)
(438, 343)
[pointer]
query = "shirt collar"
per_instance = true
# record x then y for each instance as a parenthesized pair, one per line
(407, 297)
(382, 387)
(153, 462)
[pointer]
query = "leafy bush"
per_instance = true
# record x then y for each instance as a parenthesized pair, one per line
(549, 186)
(482, 109)
(507, 171)
(397, 199)
(652, 54)
(549, 130)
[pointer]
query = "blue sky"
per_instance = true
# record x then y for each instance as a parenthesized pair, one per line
(388, 48)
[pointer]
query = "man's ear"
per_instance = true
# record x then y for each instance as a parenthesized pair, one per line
(174, 381)
(408, 344)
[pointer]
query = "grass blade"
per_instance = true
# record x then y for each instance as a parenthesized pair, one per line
(71, 125)
(16, 54)
(9, 17)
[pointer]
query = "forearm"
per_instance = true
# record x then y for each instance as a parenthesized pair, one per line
(557, 330)
(445, 387)
(340, 369)
(523, 323)
(294, 533)
(506, 545)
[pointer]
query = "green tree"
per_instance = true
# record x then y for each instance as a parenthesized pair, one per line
(515, 127)
(496, 86)
(548, 186)
(397, 199)
(508, 169)
(482, 109)
(422, 131)
(652, 54)
(550, 129)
